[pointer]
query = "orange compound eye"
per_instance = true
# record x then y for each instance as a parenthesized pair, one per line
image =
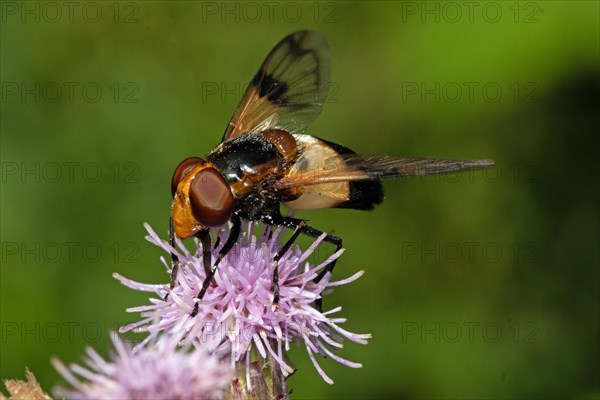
(211, 198)
(182, 169)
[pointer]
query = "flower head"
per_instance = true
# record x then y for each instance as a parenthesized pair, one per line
(237, 314)
(157, 371)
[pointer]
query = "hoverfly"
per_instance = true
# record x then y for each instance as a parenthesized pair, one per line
(265, 160)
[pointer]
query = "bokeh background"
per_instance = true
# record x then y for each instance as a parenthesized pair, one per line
(480, 285)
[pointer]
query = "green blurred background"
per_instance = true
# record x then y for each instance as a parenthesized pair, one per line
(479, 285)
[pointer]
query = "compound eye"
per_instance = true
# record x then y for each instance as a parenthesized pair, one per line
(211, 198)
(182, 169)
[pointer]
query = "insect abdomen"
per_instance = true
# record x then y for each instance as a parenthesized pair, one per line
(362, 195)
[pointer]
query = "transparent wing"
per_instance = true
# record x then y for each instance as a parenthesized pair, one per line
(289, 89)
(356, 167)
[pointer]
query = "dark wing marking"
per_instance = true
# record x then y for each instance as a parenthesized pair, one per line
(289, 89)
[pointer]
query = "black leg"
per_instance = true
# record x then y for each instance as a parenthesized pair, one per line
(309, 231)
(280, 254)
(204, 236)
(233, 237)
(174, 258)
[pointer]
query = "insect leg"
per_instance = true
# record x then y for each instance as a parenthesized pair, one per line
(174, 258)
(280, 254)
(309, 231)
(335, 240)
(233, 237)
(204, 236)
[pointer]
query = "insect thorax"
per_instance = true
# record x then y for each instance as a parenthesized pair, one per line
(246, 161)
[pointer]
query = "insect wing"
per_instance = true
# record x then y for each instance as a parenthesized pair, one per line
(360, 167)
(288, 90)
(315, 157)
(356, 167)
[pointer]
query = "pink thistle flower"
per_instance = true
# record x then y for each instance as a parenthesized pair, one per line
(159, 371)
(237, 315)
